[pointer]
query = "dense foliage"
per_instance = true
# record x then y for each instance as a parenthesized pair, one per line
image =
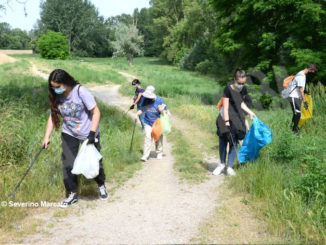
(208, 36)
(80, 22)
(265, 34)
(53, 45)
(13, 38)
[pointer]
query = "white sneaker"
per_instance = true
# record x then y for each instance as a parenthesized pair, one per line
(159, 156)
(71, 200)
(219, 169)
(144, 159)
(103, 193)
(230, 171)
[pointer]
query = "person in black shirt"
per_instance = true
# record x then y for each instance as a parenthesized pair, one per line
(231, 122)
(138, 100)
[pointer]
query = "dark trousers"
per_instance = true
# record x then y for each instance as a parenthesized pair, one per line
(296, 109)
(232, 151)
(70, 146)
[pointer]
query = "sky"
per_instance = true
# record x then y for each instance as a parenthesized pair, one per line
(15, 14)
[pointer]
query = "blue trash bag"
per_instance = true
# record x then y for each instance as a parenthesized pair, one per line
(258, 136)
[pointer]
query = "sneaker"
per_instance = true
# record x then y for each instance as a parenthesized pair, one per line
(159, 156)
(144, 159)
(230, 171)
(219, 169)
(103, 193)
(71, 200)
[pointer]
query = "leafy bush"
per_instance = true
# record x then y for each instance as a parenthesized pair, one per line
(53, 45)
(266, 101)
(204, 67)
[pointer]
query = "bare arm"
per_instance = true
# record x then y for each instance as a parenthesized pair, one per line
(48, 132)
(96, 118)
(138, 98)
(226, 111)
(246, 109)
(302, 94)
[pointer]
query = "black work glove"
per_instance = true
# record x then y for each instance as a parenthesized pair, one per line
(305, 105)
(228, 129)
(91, 138)
(227, 132)
(132, 107)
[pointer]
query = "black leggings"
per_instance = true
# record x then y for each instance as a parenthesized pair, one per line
(70, 146)
(296, 109)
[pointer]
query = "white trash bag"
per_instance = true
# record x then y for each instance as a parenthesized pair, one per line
(87, 161)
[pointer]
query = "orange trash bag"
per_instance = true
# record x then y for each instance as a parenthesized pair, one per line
(157, 130)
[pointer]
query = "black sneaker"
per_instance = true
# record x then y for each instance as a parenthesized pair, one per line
(72, 199)
(103, 193)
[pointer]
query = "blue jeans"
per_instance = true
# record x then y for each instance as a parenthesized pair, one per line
(232, 152)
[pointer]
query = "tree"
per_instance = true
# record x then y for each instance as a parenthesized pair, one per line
(128, 42)
(13, 38)
(53, 45)
(120, 19)
(166, 14)
(265, 34)
(144, 23)
(80, 22)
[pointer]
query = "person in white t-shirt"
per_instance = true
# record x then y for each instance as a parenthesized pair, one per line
(297, 94)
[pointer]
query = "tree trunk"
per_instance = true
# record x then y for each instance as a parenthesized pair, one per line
(131, 58)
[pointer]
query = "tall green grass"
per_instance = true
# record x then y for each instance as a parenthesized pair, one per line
(23, 113)
(287, 183)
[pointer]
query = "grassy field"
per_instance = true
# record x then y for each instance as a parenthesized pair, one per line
(23, 111)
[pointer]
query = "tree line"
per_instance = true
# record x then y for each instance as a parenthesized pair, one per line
(217, 36)
(209, 36)
(13, 38)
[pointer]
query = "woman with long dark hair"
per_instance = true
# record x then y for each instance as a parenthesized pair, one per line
(230, 123)
(81, 117)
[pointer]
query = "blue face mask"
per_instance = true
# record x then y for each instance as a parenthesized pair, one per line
(238, 86)
(60, 90)
(134, 86)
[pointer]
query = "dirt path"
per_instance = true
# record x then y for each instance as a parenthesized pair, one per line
(12, 51)
(4, 59)
(152, 207)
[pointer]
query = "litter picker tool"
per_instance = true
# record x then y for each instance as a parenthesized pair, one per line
(126, 112)
(132, 138)
(12, 194)
(235, 149)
